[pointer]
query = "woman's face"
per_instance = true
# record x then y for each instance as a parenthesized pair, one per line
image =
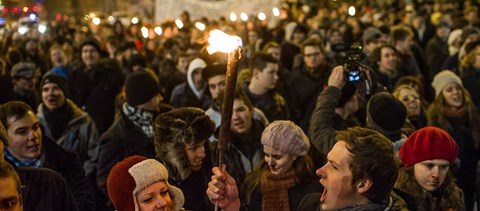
(411, 101)
(453, 95)
(430, 174)
(154, 197)
(277, 161)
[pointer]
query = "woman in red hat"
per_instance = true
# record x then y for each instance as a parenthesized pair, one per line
(427, 156)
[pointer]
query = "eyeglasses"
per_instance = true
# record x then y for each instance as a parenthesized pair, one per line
(312, 54)
(10, 203)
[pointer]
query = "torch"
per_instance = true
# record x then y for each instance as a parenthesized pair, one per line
(222, 42)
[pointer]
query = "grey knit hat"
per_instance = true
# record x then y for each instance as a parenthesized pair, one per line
(444, 78)
(287, 137)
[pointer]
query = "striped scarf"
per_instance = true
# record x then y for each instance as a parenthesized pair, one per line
(140, 117)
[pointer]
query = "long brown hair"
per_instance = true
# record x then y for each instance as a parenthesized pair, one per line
(451, 195)
(436, 115)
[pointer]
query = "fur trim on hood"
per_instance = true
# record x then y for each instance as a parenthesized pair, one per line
(175, 129)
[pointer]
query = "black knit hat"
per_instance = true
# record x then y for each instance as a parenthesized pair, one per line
(91, 41)
(56, 79)
(140, 87)
(214, 70)
(386, 114)
(347, 93)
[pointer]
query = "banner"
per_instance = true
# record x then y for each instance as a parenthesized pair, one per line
(212, 9)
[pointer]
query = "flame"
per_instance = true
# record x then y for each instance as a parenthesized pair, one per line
(221, 42)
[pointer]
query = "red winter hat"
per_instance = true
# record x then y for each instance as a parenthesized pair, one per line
(134, 174)
(428, 143)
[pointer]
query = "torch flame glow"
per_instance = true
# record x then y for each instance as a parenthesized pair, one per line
(221, 42)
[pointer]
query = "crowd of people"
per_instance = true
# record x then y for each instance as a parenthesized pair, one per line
(99, 117)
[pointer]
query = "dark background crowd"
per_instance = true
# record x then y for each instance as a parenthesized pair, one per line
(96, 90)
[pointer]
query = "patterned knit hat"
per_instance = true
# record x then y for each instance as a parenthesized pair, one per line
(444, 78)
(428, 143)
(286, 137)
(134, 174)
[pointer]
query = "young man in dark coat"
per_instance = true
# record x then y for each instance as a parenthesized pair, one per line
(27, 147)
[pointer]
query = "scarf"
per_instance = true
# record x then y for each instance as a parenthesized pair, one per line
(455, 113)
(140, 117)
(57, 120)
(34, 162)
(274, 189)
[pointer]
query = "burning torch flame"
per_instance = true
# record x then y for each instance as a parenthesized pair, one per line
(221, 42)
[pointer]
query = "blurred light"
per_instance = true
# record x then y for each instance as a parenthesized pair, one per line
(233, 17)
(15, 10)
(65, 17)
(262, 16)
(111, 19)
(58, 17)
(158, 30)
(243, 16)
(42, 28)
(25, 9)
(221, 42)
(200, 26)
(144, 32)
(276, 12)
(92, 15)
(179, 23)
(22, 30)
(5, 10)
(134, 20)
(96, 21)
(32, 16)
(35, 8)
(351, 11)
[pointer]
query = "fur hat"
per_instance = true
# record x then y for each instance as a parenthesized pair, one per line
(56, 79)
(176, 128)
(443, 78)
(214, 70)
(134, 174)
(140, 87)
(386, 114)
(428, 143)
(91, 41)
(23, 69)
(287, 137)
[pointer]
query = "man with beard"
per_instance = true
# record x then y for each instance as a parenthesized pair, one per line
(24, 75)
(132, 131)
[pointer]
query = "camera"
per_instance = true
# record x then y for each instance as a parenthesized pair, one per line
(352, 58)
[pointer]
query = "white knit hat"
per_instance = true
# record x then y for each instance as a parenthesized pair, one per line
(444, 78)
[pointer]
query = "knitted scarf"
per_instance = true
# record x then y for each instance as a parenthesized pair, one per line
(141, 118)
(57, 120)
(274, 189)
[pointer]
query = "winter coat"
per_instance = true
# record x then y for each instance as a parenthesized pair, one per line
(436, 52)
(186, 94)
(272, 104)
(80, 136)
(121, 140)
(70, 167)
(325, 123)
(471, 82)
(95, 91)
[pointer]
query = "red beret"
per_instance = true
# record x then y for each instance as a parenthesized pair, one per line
(428, 143)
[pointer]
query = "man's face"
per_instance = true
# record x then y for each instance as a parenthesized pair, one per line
(274, 52)
(404, 45)
(27, 84)
(90, 55)
(388, 60)
(195, 154)
(336, 177)
(197, 78)
(58, 58)
(52, 96)
(372, 45)
(268, 76)
(241, 117)
(430, 174)
(182, 64)
(25, 137)
(312, 56)
(277, 161)
(9, 196)
(216, 85)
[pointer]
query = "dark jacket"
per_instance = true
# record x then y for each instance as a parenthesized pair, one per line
(436, 52)
(80, 136)
(45, 189)
(121, 140)
(94, 91)
(272, 104)
(325, 123)
(70, 167)
(471, 82)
